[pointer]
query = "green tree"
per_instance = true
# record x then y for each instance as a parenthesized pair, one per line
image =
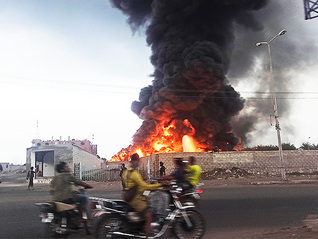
(288, 146)
(262, 148)
(285, 146)
(308, 146)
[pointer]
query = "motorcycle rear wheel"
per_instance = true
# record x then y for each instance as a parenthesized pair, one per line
(87, 228)
(49, 230)
(190, 201)
(108, 225)
(181, 229)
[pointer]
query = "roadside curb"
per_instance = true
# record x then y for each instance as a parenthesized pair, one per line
(285, 182)
(6, 185)
(311, 222)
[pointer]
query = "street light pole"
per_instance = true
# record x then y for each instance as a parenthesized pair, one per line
(273, 94)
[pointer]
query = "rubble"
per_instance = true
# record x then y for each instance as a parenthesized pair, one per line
(221, 173)
(315, 173)
(311, 222)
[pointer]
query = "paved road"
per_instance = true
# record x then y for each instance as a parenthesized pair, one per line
(228, 211)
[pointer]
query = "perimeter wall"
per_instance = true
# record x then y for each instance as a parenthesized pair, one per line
(256, 162)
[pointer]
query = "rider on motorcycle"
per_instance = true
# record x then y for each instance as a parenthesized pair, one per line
(139, 203)
(195, 172)
(61, 187)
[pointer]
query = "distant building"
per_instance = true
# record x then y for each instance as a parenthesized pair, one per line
(44, 155)
(5, 167)
(9, 167)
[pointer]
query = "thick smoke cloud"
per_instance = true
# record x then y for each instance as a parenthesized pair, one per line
(192, 42)
(292, 51)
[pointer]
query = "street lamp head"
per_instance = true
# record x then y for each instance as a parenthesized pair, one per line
(282, 32)
(258, 44)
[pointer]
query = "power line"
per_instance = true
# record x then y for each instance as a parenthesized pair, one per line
(33, 81)
(118, 89)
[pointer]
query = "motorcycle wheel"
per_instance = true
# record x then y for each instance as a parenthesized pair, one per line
(86, 228)
(49, 230)
(181, 229)
(190, 201)
(110, 224)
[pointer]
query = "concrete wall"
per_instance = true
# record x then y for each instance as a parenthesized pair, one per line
(55, 154)
(62, 152)
(88, 161)
(84, 144)
(258, 162)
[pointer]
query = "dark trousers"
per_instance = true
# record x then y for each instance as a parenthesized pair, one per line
(30, 183)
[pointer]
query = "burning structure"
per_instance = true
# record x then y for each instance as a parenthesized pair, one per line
(191, 42)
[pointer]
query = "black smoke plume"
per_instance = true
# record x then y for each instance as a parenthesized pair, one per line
(192, 43)
(291, 54)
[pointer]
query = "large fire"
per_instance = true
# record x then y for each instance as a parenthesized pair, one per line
(174, 137)
(190, 104)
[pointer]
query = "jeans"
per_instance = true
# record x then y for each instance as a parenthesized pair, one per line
(159, 203)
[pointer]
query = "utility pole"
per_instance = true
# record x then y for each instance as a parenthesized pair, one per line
(273, 94)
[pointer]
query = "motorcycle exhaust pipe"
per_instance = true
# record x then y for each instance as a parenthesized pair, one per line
(129, 235)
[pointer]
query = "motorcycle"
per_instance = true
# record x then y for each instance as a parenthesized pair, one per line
(61, 219)
(116, 219)
(192, 196)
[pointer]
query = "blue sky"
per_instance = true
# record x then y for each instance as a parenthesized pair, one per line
(75, 67)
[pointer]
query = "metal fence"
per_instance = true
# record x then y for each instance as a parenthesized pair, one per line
(101, 175)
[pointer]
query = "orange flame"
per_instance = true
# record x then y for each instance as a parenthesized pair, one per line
(188, 144)
(167, 139)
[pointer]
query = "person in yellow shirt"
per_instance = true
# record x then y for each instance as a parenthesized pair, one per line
(195, 171)
(132, 178)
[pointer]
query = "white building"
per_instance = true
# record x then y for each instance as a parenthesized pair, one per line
(44, 155)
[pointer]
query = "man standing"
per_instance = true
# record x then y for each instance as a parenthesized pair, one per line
(162, 169)
(122, 169)
(30, 177)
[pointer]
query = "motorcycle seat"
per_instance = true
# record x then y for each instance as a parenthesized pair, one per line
(60, 207)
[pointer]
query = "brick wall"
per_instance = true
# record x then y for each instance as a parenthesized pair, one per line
(261, 162)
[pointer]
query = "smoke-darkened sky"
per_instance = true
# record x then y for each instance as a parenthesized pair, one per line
(218, 35)
(291, 53)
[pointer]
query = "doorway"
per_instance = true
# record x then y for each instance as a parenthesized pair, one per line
(44, 163)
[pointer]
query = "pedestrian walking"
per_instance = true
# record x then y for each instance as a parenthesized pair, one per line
(30, 177)
(122, 169)
(1, 169)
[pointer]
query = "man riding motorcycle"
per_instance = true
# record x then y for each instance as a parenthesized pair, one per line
(195, 172)
(61, 187)
(132, 178)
